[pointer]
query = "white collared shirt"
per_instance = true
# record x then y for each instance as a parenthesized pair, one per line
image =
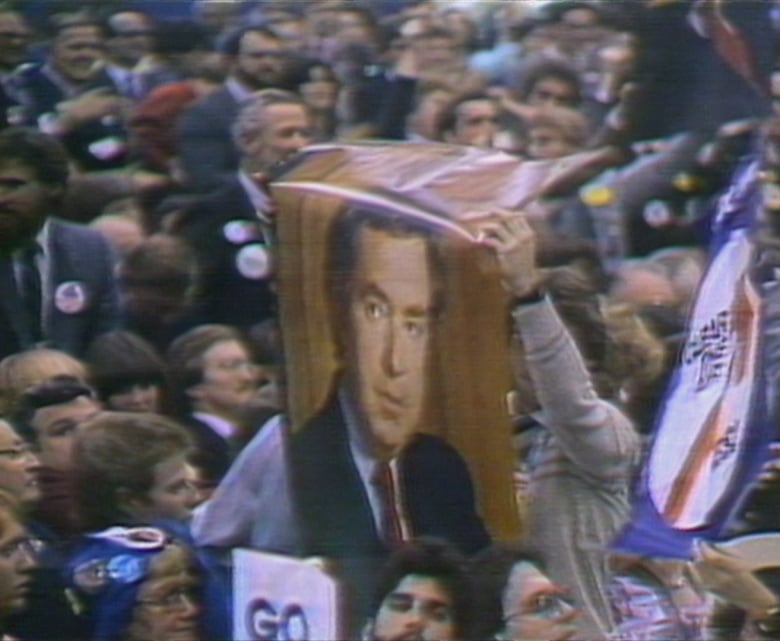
(258, 196)
(239, 91)
(221, 426)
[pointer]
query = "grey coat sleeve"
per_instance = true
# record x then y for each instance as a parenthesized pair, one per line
(591, 432)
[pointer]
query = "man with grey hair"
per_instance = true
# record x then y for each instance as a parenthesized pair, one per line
(257, 61)
(231, 229)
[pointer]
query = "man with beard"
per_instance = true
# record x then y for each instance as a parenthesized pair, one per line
(56, 283)
(208, 151)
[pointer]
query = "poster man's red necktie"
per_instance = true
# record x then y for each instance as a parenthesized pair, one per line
(390, 520)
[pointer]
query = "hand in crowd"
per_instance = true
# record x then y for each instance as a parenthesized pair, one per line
(91, 105)
(729, 578)
(512, 106)
(770, 472)
(510, 235)
(407, 64)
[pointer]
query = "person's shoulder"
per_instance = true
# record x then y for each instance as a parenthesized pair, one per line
(216, 100)
(228, 201)
(428, 446)
(29, 71)
(75, 233)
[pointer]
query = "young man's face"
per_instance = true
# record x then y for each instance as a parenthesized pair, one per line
(172, 495)
(419, 608)
(56, 427)
(390, 314)
(261, 63)
(77, 52)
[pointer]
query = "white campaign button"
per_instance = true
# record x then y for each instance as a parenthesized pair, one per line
(253, 261)
(71, 297)
(240, 231)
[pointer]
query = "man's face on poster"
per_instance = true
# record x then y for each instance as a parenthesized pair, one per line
(390, 316)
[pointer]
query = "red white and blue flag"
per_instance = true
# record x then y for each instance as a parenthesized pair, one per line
(712, 431)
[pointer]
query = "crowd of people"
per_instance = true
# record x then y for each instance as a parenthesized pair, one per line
(144, 431)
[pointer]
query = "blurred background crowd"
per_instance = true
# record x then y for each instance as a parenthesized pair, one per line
(139, 334)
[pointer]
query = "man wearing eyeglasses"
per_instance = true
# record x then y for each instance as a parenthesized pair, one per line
(18, 559)
(19, 468)
(19, 472)
(517, 601)
(215, 386)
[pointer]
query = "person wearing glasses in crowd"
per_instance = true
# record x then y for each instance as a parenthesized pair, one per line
(215, 386)
(32, 584)
(19, 468)
(18, 558)
(134, 574)
(517, 601)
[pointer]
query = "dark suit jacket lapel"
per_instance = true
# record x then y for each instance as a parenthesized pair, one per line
(13, 310)
(237, 201)
(63, 329)
(335, 510)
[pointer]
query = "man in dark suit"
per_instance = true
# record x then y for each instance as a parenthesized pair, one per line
(215, 388)
(231, 229)
(70, 95)
(206, 146)
(56, 278)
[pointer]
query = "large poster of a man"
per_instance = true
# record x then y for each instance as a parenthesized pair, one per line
(392, 353)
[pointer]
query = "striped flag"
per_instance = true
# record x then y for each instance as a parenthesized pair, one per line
(712, 431)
